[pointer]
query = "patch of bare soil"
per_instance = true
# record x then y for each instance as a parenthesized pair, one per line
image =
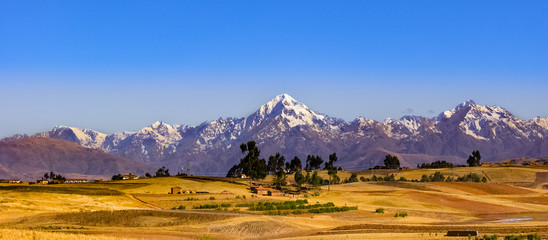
(462, 204)
(485, 188)
(373, 228)
(254, 229)
(534, 200)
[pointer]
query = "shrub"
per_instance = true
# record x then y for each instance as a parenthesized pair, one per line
(206, 206)
(379, 210)
(363, 179)
(225, 205)
(353, 177)
(211, 198)
(532, 236)
(403, 179)
(471, 177)
(181, 207)
(404, 214)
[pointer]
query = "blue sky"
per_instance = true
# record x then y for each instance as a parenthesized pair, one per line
(121, 65)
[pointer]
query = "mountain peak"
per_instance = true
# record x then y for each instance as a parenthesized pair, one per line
(469, 103)
(285, 107)
(281, 102)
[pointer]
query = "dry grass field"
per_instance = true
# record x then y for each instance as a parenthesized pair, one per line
(219, 208)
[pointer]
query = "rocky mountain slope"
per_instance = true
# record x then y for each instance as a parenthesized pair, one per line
(287, 126)
(29, 158)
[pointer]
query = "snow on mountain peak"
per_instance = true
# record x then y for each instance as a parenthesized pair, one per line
(294, 112)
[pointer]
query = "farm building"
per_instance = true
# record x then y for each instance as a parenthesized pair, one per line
(274, 192)
(10, 181)
(129, 176)
(258, 189)
(42, 181)
(176, 190)
(76, 181)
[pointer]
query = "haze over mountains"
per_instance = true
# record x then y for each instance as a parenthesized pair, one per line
(287, 126)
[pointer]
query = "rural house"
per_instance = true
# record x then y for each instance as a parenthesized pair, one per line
(129, 176)
(42, 181)
(76, 181)
(258, 189)
(12, 181)
(274, 192)
(176, 190)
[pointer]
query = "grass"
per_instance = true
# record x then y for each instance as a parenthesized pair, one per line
(91, 209)
(64, 189)
(18, 234)
(136, 218)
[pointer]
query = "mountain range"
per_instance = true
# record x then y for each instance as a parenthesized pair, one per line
(288, 126)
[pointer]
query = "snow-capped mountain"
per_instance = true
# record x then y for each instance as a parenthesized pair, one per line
(288, 126)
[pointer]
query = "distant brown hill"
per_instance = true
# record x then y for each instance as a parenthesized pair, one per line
(525, 161)
(31, 157)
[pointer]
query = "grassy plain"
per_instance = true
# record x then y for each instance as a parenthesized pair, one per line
(511, 203)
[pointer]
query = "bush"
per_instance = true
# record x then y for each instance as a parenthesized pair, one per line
(181, 207)
(211, 198)
(353, 177)
(207, 206)
(471, 177)
(379, 210)
(225, 205)
(532, 236)
(404, 214)
(363, 179)
(403, 179)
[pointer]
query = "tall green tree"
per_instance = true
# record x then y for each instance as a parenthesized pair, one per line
(316, 180)
(299, 179)
(251, 165)
(162, 172)
(331, 168)
(276, 163)
(276, 166)
(295, 164)
(474, 160)
(391, 162)
(313, 162)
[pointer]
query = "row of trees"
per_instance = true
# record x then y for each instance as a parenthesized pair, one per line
(256, 168)
(54, 177)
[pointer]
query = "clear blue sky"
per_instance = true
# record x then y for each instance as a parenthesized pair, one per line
(121, 65)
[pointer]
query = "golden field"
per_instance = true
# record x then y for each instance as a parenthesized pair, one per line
(512, 203)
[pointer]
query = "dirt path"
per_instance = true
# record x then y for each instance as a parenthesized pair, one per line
(132, 197)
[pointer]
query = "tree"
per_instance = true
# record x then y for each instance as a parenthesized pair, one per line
(331, 168)
(54, 176)
(117, 177)
(148, 175)
(315, 180)
(295, 164)
(391, 162)
(474, 159)
(299, 179)
(276, 163)
(251, 165)
(313, 162)
(234, 172)
(162, 172)
(353, 178)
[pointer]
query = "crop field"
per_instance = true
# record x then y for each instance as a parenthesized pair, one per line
(223, 208)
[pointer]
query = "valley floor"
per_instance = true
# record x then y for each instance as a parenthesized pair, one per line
(143, 209)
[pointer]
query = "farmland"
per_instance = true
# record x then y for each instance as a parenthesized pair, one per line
(223, 208)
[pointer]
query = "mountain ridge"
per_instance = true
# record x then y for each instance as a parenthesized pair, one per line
(286, 125)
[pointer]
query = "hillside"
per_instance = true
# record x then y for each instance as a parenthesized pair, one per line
(29, 158)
